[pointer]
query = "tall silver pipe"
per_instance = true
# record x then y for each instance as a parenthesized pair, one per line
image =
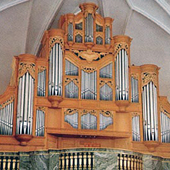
(149, 100)
(89, 28)
(123, 74)
(54, 67)
(145, 113)
(22, 104)
(60, 70)
(29, 105)
(117, 77)
(50, 73)
(126, 76)
(120, 76)
(148, 113)
(151, 111)
(25, 104)
(155, 111)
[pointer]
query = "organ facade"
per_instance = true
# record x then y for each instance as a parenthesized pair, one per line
(80, 97)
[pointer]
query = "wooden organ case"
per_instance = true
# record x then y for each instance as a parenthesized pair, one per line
(82, 91)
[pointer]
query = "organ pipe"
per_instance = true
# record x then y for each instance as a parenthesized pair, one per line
(88, 121)
(25, 104)
(89, 85)
(40, 120)
(105, 121)
(134, 90)
(6, 118)
(71, 90)
(149, 101)
(41, 83)
(70, 68)
(55, 71)
(106, 72)
(121, 73)
(106, 93)
(72, 120)
(136, 128)
(165, 128)
(107, 35)
(70, 32)
(89, 28)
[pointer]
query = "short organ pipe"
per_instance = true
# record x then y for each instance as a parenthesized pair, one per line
(40, 120)
(134, 90)
(70, 32)
(107, 35)
(6, 118)
(41, 83)
(89, 85)
(136, 128)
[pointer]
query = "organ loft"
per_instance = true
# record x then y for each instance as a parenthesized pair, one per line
(80, 104)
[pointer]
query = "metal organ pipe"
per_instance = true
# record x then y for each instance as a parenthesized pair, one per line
(165, 128)
(55, 71)
(70, 68)
(89, 28)
(70, 32)
(72, 120)
(6, 118)
(89, 85)
(88, 121)
(121, 72)
(71, 90)
(25, 104)
(134, 90)
(149, 101)
(41, 83)
(105, 90)
(107, 35)
(40, 120)
(135, 128)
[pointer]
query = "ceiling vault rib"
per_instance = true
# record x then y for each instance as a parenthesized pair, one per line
(164, 5)
(101, 7)
(29, 17)
(105, 11)
(128, 18)
(148, 16)
(11, 4)
(47, 22)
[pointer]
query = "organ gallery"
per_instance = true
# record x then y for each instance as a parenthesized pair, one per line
(81, 104)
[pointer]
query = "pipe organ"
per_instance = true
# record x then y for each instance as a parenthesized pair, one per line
(81, 90)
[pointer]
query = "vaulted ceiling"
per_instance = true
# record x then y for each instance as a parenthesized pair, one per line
(23, 22)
